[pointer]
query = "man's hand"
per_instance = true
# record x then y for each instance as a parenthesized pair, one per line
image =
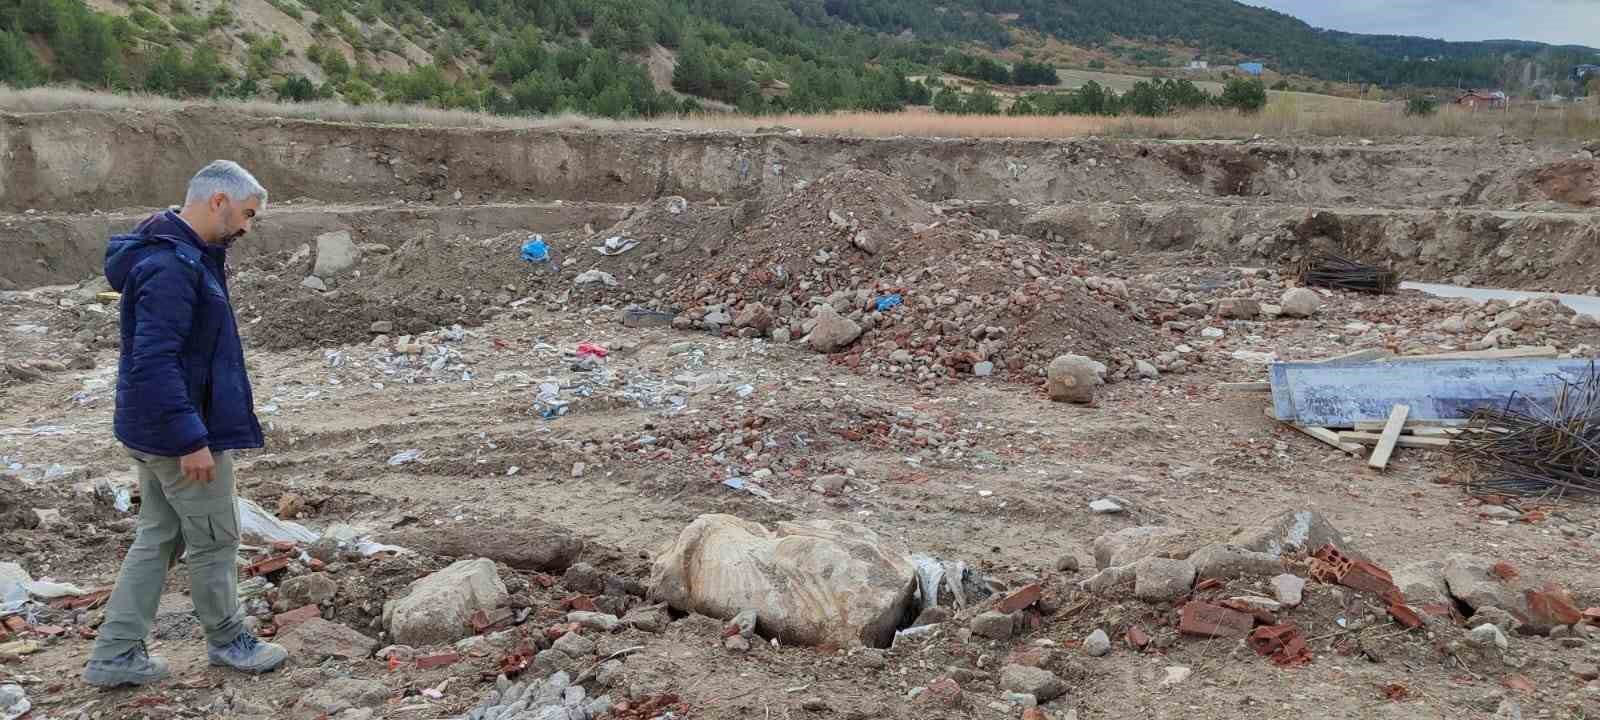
(198, 467)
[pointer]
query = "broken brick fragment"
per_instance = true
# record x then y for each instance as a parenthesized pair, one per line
(267, 566)
(1207, 620)
(286, 620)
(1404, 615)
(1552, 606)
(1138, 638)
(944, 691)
(1504, 570)
(1283, 643)
(582, 603)
(429, 662)
(1261, 615)
(1020, 599)
(1207, 584)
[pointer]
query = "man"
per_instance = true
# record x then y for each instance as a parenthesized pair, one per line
(183, 405)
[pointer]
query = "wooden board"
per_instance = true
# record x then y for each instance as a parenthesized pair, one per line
(1325, 435)
(1340, 396)
(1497, 354)
(1412, 425)
(1391, 435)
(1410, 441)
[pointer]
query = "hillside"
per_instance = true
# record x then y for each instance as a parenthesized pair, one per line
(648, 57)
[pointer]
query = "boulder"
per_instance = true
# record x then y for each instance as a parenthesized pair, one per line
(338, 696)
(1301, 531)
(526, 544)
(833, 332)
(313, 589)
(993, 625)
(436, 609)
(336, 253)
(1231, 561)
(1072, 378)
(754, 315)
(1301, 302)
(315, 639)
(1422, 582)
(1129, 545)
(813, 583)
(1469, 579)
(1161, 579)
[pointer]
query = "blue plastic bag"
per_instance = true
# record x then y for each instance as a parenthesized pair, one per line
(535, 250)
(889, 302)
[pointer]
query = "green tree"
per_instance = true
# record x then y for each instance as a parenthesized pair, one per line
(297, 88)
(1246, 96)
(18, 66)
(949, 100)
(1421, 106)
(982, 102)
(1034, 73)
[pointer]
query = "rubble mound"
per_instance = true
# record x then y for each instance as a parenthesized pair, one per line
(428, 282)
(934, 295)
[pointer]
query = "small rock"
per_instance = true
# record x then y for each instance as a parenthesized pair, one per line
(745, 622)
(595, 621)
(313, 282)
(1146, 370)
(1486, 634)
(1586, 671)
(1301, 302)
(575, 646)
(382, 327)
(754, 315)
(993, 625)
(584, 578)
(1289, 589)
(1067, 563)
(1098, 644)
(1212, 332)
(336, 253)
(1238, 308)
(1038, 682)
(1176, 675)
(736, 643)
(653, 619)
(814, 705)
(983, 369)
(1105, 506)
(934, 616)
(338, 696)
(578, 468)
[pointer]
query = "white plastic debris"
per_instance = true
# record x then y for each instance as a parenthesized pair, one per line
(405, 456)
(368, 548)
(13, 702)
(592, 277)
(47, 590)
(616, 245)
(255, 521)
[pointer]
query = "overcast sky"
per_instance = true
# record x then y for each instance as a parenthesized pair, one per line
(1563, 22)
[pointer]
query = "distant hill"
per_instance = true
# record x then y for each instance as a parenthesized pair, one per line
(645, 57)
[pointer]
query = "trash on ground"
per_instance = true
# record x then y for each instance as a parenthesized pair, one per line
(616, 245)
(255, 522)
(1333, 271)
(535, 250)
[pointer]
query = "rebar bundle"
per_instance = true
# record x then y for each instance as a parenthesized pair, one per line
(1345, 274)
(1525, 448)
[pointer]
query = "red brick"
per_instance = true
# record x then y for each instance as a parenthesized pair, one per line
(267, 566)
(16, 624)
(1283, 643)
(1553, 606)
(1034, 713)
(429, 662)
(1261, 615)
(1138, 638)
(943, 691)
(1020, 599)
(1207, 620)
(1362, 575)
(316, 565)
(283, 546)
(296, 616)
(1504, 570)
(1404, 615)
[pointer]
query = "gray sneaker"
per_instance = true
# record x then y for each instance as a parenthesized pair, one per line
(134, 667)
(247, 654)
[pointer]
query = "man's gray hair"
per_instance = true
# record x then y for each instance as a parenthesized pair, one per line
(226, 177)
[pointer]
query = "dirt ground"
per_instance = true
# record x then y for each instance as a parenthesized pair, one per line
(938, 460)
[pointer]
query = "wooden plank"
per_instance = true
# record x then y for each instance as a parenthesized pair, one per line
(1412, 425)
(1410, 441)
(1248, 387)
(1355, 357)
(1515, 353)
(1339, 396)
(1391, 435)
(1325, 435)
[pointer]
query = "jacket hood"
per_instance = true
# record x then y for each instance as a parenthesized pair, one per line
(123, 252)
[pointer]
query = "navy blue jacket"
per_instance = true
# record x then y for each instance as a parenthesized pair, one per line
(181, 382)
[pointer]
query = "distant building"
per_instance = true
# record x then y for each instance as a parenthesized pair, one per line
(1482, 99)
(1252, 68)
(1198, 65)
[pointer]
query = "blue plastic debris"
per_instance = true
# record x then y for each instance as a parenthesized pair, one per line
(535, 250)
(889, 302)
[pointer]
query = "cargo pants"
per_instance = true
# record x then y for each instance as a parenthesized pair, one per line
(176, 514)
